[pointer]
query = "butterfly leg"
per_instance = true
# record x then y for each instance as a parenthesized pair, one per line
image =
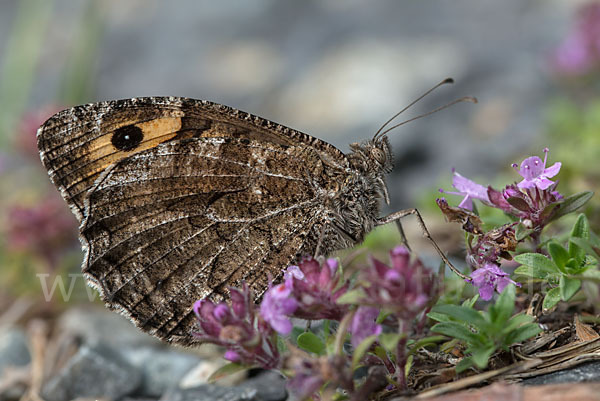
(403, 239)
(395, 217)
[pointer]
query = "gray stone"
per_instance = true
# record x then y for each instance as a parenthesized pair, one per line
(269, 386)
(211, 392)
(13, 348)
(582, 373)
(161, 368)
(201, 373)
(138, 399)
(95, 324)
(94, 371)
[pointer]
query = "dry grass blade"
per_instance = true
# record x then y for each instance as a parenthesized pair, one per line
(584, 332)
(478, 378)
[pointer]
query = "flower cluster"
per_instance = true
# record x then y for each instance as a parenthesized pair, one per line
(312, 291)
(310, 374)
(579, 54)
(309, 291)
(45, 230)
(404, 288)
(237, 327)
(534, 201)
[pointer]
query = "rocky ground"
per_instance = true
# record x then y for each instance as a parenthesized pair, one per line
(92, 353)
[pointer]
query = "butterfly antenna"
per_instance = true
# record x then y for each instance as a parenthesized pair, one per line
(470, 99)
(445, 81)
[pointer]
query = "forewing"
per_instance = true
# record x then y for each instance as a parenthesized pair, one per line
(78, 144)
(186, 219)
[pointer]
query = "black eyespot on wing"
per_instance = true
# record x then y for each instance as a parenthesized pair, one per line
(127, 138)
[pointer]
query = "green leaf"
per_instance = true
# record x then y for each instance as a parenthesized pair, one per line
(537, 261)
(548, 210)
(501, 311)
(568, 287)
(521, 232)
(470, 301)
(460, 313)
(455, 330)
(389, 341)
(439, 317)
(572, 203)
(351, 297)
(296, 331)
(464, 364)
(383, 314)
(326, 327)
(481, 356)
(425, 341)
(559, 254)
(227, 370)
(361, 349)
(310, 342)
(587, 246)
(281, 345)
(530, 271)
(581, 228)
(382, 353)
(516, 321)
(552, 297)
(522, 333)
(519, 204)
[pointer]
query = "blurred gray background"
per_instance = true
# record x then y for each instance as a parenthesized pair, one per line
(336, 69)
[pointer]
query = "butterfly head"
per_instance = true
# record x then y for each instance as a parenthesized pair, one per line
(373, 156)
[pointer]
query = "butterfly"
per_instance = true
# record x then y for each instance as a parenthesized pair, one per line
(179, 199)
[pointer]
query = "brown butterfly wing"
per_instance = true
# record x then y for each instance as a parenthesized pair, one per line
(185, 219)
(78, 144)
(199, 204)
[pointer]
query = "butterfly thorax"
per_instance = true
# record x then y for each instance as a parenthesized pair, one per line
(359, 199)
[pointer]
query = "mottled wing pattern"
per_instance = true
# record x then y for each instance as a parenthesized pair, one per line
(186, 219)
(78, 144)
(179, 199)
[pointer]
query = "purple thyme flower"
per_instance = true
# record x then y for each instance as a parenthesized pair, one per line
(238, 328)
(469, 189)
(579, 54)
(404, 288)
(528, 204)
(363, 324)
(490, 277)
(309, 291)
(310, 374)
(277, 305)
(535, 173)
(307, 379)
(45, 230)
(317, 287)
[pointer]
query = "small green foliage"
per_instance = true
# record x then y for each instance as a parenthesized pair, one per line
(571, 203)
(361, 350)
(227, 370)
(351, 297)
(389, 341)
(484, 332)
(564, 267)
(310, 342)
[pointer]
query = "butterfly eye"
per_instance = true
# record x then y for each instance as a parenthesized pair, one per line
(378, 155)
